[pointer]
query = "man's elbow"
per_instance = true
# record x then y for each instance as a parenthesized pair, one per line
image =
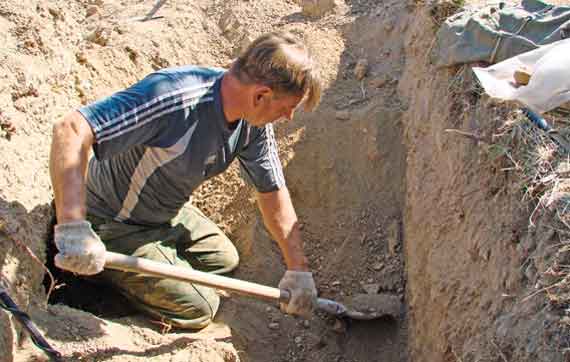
(74, 128)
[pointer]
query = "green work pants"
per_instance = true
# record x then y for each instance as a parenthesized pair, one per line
(190, 241)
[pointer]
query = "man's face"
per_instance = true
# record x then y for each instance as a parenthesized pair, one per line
(270, 107)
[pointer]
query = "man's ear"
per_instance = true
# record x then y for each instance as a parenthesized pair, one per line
(261, 94)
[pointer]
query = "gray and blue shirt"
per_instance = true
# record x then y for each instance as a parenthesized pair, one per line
(158, 140)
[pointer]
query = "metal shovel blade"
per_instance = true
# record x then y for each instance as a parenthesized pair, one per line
(363, 306)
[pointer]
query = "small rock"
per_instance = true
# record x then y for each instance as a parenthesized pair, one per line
(370, 280)
(306, 323)
(81, 58)
(268, 309)
(378, 82)
(298, 340)
(91, 10)
(56, 13)
(100, 36)
(372, 288)
(336, 283)
(342, 115)
(316, 8)
(230, 25)
(273, 326)
(7, 128)
(393, 237)
(377, 266)
(360, 69)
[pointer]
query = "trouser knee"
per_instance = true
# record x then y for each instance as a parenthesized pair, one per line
(180, 304)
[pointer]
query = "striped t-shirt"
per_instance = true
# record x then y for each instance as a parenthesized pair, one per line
(158, 140)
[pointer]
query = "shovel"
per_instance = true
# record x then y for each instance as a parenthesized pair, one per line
(369, 306)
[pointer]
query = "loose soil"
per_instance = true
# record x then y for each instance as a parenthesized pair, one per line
(389, 201)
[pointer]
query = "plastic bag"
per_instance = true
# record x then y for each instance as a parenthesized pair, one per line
(549, 85)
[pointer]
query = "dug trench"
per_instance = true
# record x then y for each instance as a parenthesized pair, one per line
(345, 169)
(389, 202)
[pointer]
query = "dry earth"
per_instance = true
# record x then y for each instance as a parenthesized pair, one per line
(388, 200)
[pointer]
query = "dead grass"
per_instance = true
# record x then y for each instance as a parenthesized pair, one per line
(539, 169)
(543, 170)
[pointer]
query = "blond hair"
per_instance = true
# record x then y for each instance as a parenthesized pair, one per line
(280, 62)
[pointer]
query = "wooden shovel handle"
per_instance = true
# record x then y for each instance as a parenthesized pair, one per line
(153, 268)
(156, 269)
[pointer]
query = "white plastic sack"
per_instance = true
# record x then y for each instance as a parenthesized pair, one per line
(549, 85)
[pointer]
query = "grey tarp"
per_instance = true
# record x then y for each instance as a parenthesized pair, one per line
(499, 32)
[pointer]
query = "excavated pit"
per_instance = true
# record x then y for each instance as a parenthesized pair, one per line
(345, 169)
(389, 201)
(347, 180)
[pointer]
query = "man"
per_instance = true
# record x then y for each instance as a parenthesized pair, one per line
(155, 143)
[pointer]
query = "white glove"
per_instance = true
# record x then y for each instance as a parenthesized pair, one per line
(80, 249)
(302, 291)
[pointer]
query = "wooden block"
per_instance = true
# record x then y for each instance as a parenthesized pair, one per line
(522, 76)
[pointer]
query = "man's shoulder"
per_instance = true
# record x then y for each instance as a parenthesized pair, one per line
(170, 82)
(192, 73)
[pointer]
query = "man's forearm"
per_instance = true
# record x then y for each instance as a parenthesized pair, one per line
(281, 220)
(69, 154)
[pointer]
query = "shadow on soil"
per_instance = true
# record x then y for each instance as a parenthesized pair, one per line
(83, 293)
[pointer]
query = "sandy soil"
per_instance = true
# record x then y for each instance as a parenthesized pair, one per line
(389, 201)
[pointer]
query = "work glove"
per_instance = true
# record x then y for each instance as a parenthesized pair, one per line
(302, 292)
(80, 249)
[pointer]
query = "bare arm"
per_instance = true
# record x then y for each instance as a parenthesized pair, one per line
(281, 221)
(71, 141)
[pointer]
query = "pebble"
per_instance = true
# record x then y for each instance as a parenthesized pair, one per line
(361, 69)
(371, 288)
(100, 36)
(92, 10)
(377, 266)
(342, 115)
(306, 323)
(336, 283)
(298, 340)
(378, 82)
(273, 326)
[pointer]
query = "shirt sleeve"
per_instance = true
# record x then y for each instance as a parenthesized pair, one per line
(143, 114)
(259, 161)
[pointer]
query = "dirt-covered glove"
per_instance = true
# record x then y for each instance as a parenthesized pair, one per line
(80, 249)
(303, 294)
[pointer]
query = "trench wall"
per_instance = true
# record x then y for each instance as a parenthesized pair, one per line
(465, 226)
